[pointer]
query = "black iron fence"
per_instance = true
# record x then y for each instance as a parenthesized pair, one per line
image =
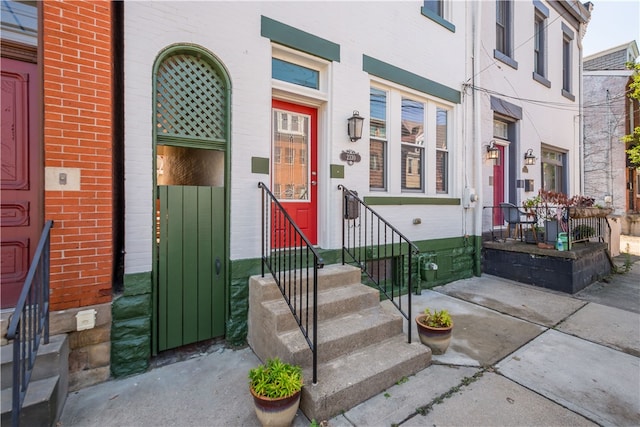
(386, 257)
(546, 224)
(293, 262)
(29, 323)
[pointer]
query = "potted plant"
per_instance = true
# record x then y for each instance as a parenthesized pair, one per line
(275, 387)
(434, 329)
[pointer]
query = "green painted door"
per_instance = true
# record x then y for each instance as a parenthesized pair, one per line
(191, 273)
(191, 110)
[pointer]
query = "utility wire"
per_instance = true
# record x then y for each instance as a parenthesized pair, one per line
(495, 61)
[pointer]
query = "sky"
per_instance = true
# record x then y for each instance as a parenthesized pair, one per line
(613, 22)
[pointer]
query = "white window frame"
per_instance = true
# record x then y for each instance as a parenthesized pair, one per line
(395, 93)
(567, 62)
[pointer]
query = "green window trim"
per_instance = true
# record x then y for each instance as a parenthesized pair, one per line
(300, 40)
(396, 201)
(406, 78)
(437, 19)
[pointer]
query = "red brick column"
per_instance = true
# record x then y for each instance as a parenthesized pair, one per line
(78, 115)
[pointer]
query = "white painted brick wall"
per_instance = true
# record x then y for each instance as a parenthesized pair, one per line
(394, 32)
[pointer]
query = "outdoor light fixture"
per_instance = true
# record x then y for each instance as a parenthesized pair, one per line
(529, 158)
(493, 152)
(354, 126)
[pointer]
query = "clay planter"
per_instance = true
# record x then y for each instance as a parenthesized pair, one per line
(276, 412)
(437, 339)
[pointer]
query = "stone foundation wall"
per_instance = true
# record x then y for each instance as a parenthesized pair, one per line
(90, 349)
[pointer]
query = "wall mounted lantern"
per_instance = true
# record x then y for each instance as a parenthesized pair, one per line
(354, 126)
(529, 158)
(493, 152)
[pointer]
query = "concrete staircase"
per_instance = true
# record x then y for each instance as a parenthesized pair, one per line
(48, 388)
(362, 349)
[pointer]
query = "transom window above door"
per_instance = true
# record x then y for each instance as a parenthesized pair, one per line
(293, 71)
(296, 74)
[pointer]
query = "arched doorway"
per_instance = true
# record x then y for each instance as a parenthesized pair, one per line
(191, 140)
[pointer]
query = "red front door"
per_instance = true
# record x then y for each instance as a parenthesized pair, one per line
(20, 185)
(294, 165)
(498, 187)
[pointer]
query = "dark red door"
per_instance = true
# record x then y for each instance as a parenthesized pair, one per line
(498, 187)
(295, 173)
(21, 176)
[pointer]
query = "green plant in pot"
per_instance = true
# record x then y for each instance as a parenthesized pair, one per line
(275, 387)
(435, 329)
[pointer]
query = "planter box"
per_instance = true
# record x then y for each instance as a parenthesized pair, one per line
(590, 212)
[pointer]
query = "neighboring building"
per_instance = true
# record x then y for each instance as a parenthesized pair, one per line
(529, 90)
(58, 133)
(146, 101)
(609, 114)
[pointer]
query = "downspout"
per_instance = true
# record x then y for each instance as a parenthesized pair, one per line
(117, 23)
(582, 31)
(477, 135)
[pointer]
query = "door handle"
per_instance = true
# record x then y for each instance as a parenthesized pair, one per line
(218, 266)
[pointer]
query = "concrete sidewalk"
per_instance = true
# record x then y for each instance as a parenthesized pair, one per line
(520, 355)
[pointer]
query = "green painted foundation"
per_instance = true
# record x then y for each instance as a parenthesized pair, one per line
(131, 326)
(457, 258)
(131, 329)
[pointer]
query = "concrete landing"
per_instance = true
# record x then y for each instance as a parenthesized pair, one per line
(541, 358)
(589, 379)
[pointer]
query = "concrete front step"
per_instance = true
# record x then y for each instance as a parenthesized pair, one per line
(330, 276)
(332, 302)
(40, 407)
(341, 335)
(48, 387)
(361, 345)
(48, 362)
(346, 381)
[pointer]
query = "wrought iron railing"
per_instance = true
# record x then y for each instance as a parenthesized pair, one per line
(30, 322)
(293, 262)
(579, 224)
(383, 253)
(587, 229)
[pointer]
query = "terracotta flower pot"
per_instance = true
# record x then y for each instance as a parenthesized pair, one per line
(437, 339)
(276, 412)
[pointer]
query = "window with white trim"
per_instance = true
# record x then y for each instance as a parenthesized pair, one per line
(553, 170)
(412, 145)
(539, 49)
(504, 26)
(442, 150)
(567, 62)
(409, 142)
(378, 139)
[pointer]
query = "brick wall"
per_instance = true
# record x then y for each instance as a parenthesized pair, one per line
(77, 68)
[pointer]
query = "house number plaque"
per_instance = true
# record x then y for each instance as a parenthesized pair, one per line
(350, 157)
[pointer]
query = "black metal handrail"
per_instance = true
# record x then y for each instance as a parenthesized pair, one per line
(379, 250)
(578, 226)
(293, 262)
(30, 322)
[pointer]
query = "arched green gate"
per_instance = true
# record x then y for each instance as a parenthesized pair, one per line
(191, 133)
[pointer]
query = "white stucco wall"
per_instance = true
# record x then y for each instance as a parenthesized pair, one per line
(393, 32)
(548, 117)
